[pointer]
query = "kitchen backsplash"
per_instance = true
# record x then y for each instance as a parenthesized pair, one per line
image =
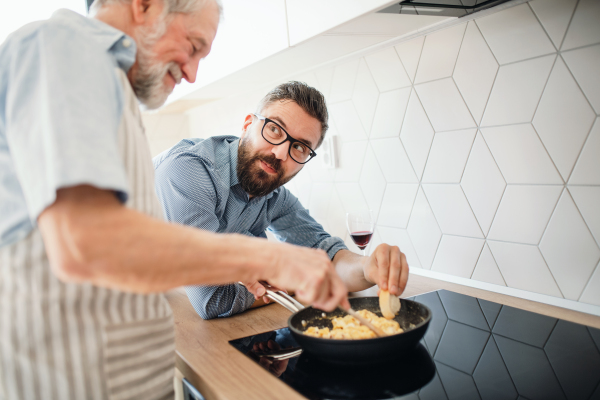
(477, 146)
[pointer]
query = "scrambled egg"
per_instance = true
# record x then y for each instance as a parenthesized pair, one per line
(349, 328)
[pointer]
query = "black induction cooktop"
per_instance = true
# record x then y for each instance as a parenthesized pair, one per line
(473, 349)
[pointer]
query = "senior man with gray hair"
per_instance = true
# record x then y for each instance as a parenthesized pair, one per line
(84, 252)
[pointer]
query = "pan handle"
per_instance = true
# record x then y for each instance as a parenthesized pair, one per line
(284, 300)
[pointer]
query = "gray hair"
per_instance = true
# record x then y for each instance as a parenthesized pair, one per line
(308, 98)
(171, 6)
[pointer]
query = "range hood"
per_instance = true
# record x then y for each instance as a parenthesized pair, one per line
(450, 8)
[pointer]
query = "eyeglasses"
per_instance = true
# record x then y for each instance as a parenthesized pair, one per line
(274, 134)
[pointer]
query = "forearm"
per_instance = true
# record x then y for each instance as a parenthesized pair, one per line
(124, 249)
(351, 267)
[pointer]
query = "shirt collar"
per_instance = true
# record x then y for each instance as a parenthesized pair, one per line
(121, 46)
(233, 178)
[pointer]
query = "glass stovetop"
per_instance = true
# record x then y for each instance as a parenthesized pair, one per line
(473, 349)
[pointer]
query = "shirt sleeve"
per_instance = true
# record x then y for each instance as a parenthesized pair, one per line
(64, 104)
(293, 224)
(188, 196)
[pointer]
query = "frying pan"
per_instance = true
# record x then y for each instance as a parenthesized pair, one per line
(413, 318)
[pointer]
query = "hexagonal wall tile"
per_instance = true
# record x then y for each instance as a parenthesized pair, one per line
(387, 70)
(444, 105)
(347, 122)
(457, 255)
(389, 114)
(336, 216)
(555, 16)
(475, 71)
(397, 204)
(517, 91)
(591, 293)
(372, 181)
(410, 53)
(487, 270)
(584, 28)
(515, 34)
(457, 385)
(521, 155)
(568, 242)
(587, 169)
(524, 213)
(439, 53)
(587, 199)
(584, 64)
(325, 78)
(350, 161)
(461, 346)
(491, 375)
(448, 156)
(351, 196)
(482, 183)
(523, 267)
(319, 200)
(365, 96)
(393, 161)
(400, 238)
(563, 108)
(342, 84)
(438, 324)
(423, 230)
(416, 134)
(452, 210)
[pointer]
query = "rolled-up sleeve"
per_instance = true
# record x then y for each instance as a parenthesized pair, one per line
(293, 224)
(62, 117)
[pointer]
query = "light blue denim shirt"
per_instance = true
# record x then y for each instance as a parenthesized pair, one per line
(197, 183)
(60, 107)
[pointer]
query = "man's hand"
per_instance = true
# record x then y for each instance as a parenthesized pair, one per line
(258, 289)
(387, 267)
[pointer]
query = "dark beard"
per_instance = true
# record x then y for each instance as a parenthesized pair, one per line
(253, 179)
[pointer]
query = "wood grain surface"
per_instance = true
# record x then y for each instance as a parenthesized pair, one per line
(219, 371)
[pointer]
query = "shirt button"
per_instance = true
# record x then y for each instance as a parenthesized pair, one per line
(126, 43)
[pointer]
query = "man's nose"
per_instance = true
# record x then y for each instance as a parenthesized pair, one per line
(190, 69)
(281, 151)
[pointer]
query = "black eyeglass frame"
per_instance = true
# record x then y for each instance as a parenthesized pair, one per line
(288, 138)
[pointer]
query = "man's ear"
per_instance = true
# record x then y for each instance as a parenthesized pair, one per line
(144, 11)
(247, 122)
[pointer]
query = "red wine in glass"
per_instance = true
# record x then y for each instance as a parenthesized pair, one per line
(361, 238)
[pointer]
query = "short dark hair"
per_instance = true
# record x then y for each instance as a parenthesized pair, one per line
(310, 99)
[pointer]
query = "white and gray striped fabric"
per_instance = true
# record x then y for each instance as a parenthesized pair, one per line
(71, 341)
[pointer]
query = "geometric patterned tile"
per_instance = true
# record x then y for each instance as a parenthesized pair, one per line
(457, 256)
(517, 91)
(475, 71)
(555, 16)
(458, 385)
(595, 334)
(439, 54)
(433, 391)
(591, 294)
(521, 155)
(365, 95)
(342, 85)
(444, 105)
(423, 230)
(568, 241)
(587, 199)
(452, 210)
(351, 196)
(530, 369)
(350, 161)
(325, 78)
(336, 218)
(523, 267)
(491, 376)
(584, 28)
(524, 213)
(397, 204)
(448, 156)
(524, 326)
(409, 53)
(563, 108)
(482, 183)
(463, 309)
(487, 270)
(575, 359)
(587, 169)
(417, 134)
(515, 34)
(584, 64)
(387, 70)
(347, 122)
(490, 310)
(372, 181)
(438, 324)
(400, 238)
(319, 200)
(390, 113)
(393, 161)
(461, 346)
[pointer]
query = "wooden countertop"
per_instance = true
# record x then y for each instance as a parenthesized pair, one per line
(219, 371)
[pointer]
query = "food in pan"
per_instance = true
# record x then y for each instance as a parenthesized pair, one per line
(349, 328)
(389, 304)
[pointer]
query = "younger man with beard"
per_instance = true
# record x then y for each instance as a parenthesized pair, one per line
(235, 185)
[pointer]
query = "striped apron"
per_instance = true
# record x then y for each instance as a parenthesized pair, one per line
(78, 341)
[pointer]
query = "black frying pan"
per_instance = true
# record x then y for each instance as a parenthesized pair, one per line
(413, 318)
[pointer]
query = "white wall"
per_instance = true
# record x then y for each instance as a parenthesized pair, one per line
(478, 146)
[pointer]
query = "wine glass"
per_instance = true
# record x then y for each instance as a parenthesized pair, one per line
(360, 225)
